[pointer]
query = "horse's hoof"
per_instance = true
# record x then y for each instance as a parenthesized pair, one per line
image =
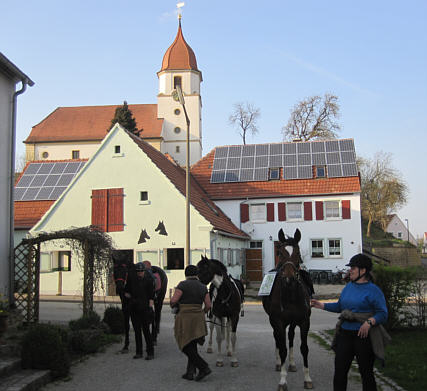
(282, 387)
(234, 364)
(209, 350)
(292, 368)
(229, 354)
(308, 385)
(278, 367)
(219, 364)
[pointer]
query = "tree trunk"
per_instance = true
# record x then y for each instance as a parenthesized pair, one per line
(368, 228)
(87, 279)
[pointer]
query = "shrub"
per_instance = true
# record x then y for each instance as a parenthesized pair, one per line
(396, 284)
(92, 320)
(113, 316)
(86, 341)
(44, 346)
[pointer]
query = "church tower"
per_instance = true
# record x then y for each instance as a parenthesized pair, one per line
(179, 66)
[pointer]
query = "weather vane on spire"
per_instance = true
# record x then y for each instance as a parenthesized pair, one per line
(179, 6)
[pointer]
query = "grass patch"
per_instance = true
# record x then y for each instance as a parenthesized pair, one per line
(406, 360)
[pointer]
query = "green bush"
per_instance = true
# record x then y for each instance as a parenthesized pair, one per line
(396, 283)
(45, 346)
(113, 316)
(87, 341)
(92, 320)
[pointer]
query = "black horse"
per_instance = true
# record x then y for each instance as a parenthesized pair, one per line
(123, 268)
(289, 305)
(227, 298)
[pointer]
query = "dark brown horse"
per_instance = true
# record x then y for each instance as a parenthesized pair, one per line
(289, 305)
(227, 298)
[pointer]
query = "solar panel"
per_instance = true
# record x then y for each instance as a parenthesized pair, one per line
(248, 162)
(261, 149)
(290, 173)
(348, 157)
(304, 159)
(44, 193)
(318, 146)
(52, 180)
(333, 158)
(233, 163)
(289, 149)
(46, 168)
(346, 145)
(261, 174)
(220, 164)
(30, 194)
(290, 160)
(275, 161)
(235, 151)
(276, 149)
(349, 169)
(57, 191)
(72, 168)
(248, 150)
(318, 158)
(303, 147)
(33, 168)
(261, 161)
(25, 180)
(332, 146)
(65, 179)
(305, 172)
(232, 176)
(19, 192)
(334, 170)
(218, 176)
(38, 180)
(246, 175)
(221, 152)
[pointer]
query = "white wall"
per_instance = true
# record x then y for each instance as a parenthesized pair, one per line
(7, 89)
(349, 231)
(63, 151)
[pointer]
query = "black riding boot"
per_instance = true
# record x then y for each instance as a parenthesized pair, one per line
(191, 371)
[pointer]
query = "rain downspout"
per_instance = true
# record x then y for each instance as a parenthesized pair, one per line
(11, 198)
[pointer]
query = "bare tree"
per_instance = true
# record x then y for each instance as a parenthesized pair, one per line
(313, 118)
(382, 189)
(244, 117)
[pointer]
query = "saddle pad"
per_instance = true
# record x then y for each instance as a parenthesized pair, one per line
(267, 284)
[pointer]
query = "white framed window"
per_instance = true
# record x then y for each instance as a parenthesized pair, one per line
(45, 262)
(294, 210)
(334, 247)
(149, 255)
(257, 213)
(317, 248)
(332, 210)
(255, 244)
(274, 173)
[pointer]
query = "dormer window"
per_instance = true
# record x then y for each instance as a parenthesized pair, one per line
(274, 173)
(320, 172)
(177, 81)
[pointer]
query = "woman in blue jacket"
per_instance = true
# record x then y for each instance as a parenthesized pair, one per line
(366, 305)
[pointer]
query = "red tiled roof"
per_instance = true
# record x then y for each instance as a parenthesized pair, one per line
(201, 171)
(179, 55)
(198, 197)
(28, 213)
(91, 123)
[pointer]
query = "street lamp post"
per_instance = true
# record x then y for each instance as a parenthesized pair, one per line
(179, 97)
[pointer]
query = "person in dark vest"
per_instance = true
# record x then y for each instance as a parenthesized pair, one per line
(359, 332)
(192, 298)
(140, 290)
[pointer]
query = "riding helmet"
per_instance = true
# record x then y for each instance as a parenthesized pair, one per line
(139, 267)
(361, 261)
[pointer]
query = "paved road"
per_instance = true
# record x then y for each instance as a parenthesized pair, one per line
(111, 370)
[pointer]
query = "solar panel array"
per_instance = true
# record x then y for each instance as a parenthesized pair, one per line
(243, 163)
(46, 180)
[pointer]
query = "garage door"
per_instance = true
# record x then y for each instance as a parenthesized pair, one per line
(254, 264)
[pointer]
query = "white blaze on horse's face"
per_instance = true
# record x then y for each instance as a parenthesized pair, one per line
(217, 280)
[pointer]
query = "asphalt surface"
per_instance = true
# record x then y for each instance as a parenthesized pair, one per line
(255, 351)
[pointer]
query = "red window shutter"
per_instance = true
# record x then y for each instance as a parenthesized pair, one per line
(308, 213)
(99, 209)
(244, 213)
(115, 210)
(270, 212)
(319, 210)
(345, 204)
(281, 211)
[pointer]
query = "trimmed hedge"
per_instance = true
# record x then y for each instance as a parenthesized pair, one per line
(113, 316)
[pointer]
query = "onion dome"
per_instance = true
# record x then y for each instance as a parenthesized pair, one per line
(179, 55)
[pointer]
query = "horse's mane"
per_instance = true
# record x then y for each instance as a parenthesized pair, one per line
(220, 265)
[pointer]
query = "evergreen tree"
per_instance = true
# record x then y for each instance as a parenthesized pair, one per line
(125, 118)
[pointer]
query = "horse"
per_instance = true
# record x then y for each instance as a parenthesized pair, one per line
(289, 305)
(227, 298)
(123, 268)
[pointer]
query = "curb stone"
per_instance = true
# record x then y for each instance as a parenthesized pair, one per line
(384, 383)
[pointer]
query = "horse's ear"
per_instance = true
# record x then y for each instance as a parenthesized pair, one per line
(297, 236)
(282, 236)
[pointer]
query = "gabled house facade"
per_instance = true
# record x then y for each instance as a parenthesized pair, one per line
(128, 189)
(399, 230)
(10, 76)
(265, 187)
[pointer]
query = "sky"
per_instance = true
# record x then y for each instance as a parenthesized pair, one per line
(371, 54)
